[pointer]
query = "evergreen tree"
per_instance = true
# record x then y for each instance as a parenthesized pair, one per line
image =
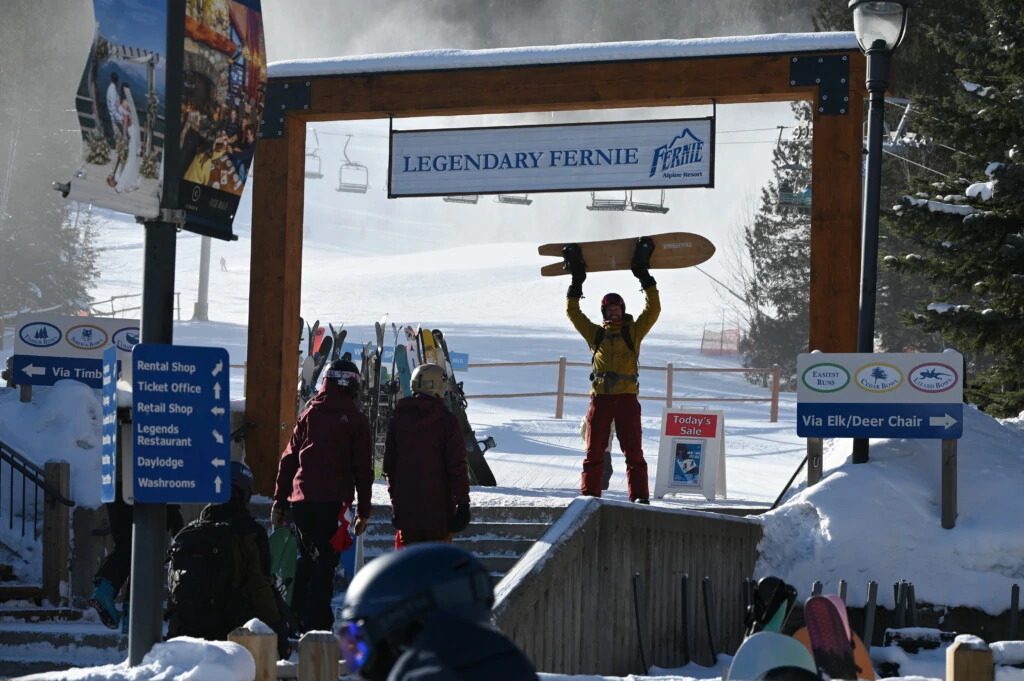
(967, 229)
(778, 245)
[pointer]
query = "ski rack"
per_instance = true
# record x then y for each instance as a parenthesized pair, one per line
(648, 207)
(608, 204)
(361, 172)
(515, 199)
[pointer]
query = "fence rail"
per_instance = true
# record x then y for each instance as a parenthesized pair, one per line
(669, 398)
(96, 312)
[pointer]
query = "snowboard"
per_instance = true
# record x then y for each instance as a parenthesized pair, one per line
(283, 553)
(429, 349)
(773, 601)
(767, 650)
(671, 250)
(865, 670)
(830, 639)
(402, 369)
(318, 338)
(479, 472)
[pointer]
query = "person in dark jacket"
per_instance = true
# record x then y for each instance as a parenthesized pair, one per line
(424, 614)
(252, 594)
(425, 463)
(327, 463)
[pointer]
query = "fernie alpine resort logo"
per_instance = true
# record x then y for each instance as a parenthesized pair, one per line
(86, 337)
(684, 150)
(879, 377)
(933, 377)
(40, 334)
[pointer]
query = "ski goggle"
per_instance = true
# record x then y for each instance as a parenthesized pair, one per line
(355, 647)
(346, 376)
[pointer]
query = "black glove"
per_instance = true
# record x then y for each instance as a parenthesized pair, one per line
(461, 519)
(174, 520)
(573, 257)
(642, 262)
(284, 646)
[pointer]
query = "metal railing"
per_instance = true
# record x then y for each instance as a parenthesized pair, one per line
(668, 398)
(114, 311)
(33, 479)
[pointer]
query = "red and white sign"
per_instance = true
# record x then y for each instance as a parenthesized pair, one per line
(686, 424)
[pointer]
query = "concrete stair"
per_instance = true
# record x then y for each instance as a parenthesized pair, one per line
(36, 640)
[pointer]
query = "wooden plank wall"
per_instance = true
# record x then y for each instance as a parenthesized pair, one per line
(574, 614)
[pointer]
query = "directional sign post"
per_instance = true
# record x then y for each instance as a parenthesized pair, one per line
(891, 395)
(181, 424)
(108, 460)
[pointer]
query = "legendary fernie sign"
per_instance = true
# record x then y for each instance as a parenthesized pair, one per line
(539, 158)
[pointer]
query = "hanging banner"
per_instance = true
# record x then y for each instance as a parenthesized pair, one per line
(225, 78)
(121, 104)
(547, 158)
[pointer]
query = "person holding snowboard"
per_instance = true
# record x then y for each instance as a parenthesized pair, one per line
(213, 591)
(424, 614)
(425, 463)
(615, 345)
(328, 463)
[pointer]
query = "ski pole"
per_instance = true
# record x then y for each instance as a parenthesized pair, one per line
(869, 613)
(706, 588)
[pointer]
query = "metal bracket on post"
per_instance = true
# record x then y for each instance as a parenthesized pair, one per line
(831, 73)
(282, 97)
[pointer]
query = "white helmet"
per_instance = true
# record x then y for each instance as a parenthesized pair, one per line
(429, 379)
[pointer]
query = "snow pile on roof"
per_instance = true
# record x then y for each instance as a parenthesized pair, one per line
(180, 659)
(435, 60)
(63, 423)
(881, 521)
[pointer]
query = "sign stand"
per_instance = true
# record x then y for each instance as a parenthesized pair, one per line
(691, 458)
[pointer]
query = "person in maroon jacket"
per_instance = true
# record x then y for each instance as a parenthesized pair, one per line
(425, 463)
(327, 463)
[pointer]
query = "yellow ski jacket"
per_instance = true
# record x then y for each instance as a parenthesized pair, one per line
(615, 365)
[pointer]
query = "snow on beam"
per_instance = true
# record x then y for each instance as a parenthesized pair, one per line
(439, 60)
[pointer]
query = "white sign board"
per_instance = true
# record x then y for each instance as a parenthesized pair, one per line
(547, 158)
(52, 347)
(691, 458)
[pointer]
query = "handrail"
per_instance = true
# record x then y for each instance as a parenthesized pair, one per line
(31, 472)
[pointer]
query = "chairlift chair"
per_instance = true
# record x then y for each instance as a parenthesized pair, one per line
(464, 198)
(648, 207)
(353, 177)
(608, 203)
(797, 199)
(515, 199)
(314, 166)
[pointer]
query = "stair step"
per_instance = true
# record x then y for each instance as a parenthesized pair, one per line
(21, 592)
(41, 614)
(7, 573)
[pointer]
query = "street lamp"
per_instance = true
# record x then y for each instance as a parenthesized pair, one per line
(880, 27)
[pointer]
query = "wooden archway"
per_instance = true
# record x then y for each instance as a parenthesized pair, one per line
(827, 69)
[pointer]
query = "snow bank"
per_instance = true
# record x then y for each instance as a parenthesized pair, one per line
(881, 521)
(180, 659)
(62, 422)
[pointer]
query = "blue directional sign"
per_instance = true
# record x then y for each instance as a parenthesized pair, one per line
(43, 370)
(50, 348)
(893, 395)
(460, 361)
(181, 424)
(108, 460)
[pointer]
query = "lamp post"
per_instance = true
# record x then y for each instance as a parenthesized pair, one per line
(880, 27)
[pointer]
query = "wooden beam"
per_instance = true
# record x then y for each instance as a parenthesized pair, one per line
(561, 87)
(836, 162)
(275, 284)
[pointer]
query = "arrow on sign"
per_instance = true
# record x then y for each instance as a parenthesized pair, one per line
(106, 401)
(219, 462)
(216, 391)
(31, 370)
(218, 437)
(216, 484)
(218, 368)
(945, 420)
(217, 411)
(105, 460)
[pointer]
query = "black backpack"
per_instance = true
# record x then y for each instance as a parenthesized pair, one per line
(200, 576)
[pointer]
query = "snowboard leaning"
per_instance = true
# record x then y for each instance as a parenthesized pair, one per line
(672, 250)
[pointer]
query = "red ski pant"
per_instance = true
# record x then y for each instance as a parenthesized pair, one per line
(624, 411)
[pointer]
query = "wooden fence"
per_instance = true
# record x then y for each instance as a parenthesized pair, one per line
(669, 398)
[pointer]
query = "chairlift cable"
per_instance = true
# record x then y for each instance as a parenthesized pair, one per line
(915, 163)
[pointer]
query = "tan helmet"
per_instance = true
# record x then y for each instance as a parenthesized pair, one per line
(429, 379)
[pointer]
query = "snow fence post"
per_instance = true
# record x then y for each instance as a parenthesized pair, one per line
(263, 647)
(560, 397)
(56, 533)
(318, 656)
(776, 385)
(668, 385)
(969, 659)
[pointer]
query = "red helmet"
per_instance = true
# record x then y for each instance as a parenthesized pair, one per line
(612, 299)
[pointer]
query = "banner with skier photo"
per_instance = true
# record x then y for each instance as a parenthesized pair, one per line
(687, 469)
(225, 79)
(121, 104)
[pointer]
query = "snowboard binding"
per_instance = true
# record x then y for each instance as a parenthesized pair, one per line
(642, 253)
(572, 258)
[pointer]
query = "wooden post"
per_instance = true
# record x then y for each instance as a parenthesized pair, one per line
(560, 398)
(318, 656)
(969, 659)
(56, 534)
(949, 484)
(668, 384)
(26, 393)
(776, 386)
(263, 648)
(815, 451)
